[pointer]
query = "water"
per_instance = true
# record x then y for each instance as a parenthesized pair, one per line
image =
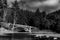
(16, 36)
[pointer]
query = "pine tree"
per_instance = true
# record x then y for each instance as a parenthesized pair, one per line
(4, 8)
(15, 9)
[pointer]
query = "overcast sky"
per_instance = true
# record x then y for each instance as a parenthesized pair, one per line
(9, 2)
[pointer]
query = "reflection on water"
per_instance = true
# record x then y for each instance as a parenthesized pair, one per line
(18, 36)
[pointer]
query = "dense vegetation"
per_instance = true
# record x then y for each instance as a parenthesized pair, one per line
(37, 19)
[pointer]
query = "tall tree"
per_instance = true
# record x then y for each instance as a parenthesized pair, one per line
(4, 7)
(15, 8)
